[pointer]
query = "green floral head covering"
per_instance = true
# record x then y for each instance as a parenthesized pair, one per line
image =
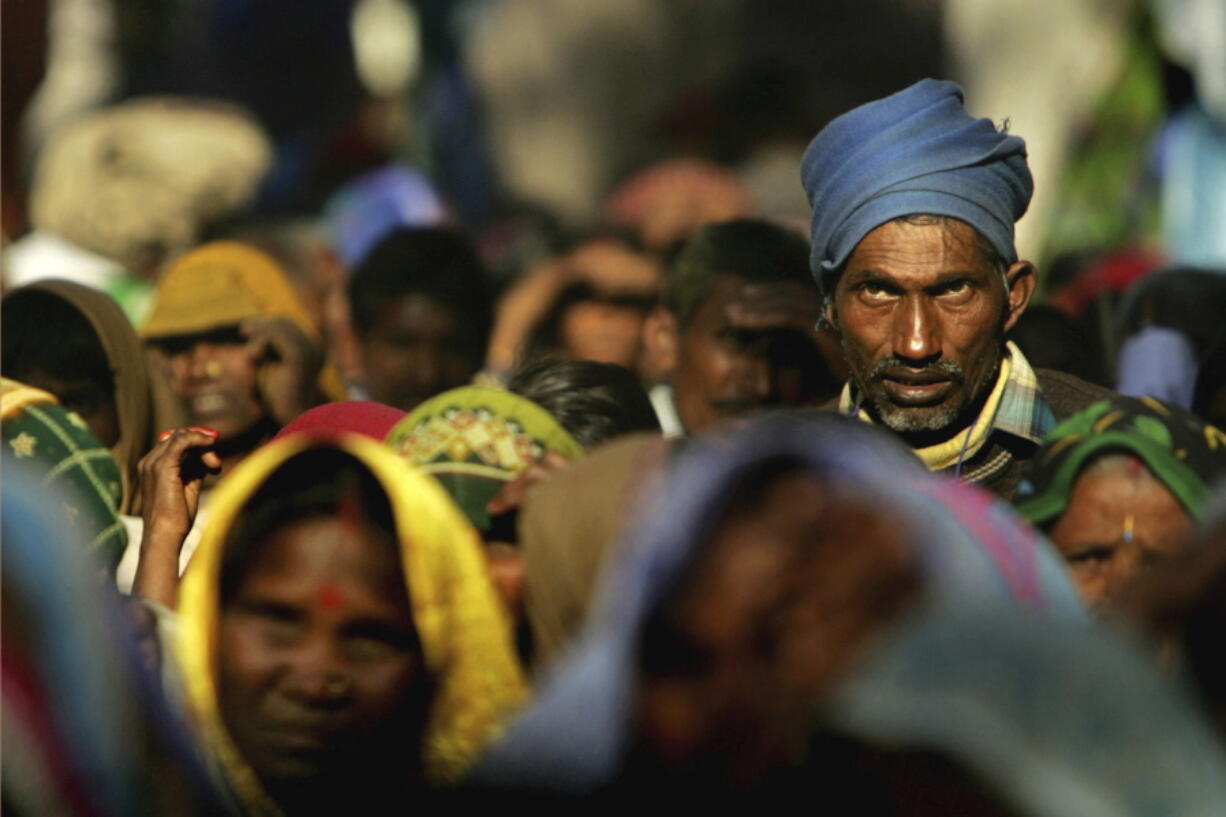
(474, 439)
(1178, 448)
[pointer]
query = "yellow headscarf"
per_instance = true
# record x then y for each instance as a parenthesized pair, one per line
(464, 635)
(221, 284)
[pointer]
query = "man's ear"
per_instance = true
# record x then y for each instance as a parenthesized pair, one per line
(828, 313)
(1021, 279)
(661, 343)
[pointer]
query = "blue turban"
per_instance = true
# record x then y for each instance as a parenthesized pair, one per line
(916, 151)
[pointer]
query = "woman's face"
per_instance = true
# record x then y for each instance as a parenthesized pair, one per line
(319, 665)
(778, 606)
(92, 402)
(1119, 520)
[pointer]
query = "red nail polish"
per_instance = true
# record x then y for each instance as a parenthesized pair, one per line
(207, 431)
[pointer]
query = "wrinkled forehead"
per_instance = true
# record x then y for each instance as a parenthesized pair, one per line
(922, 250)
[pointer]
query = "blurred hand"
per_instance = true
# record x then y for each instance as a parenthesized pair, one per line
(288, 361)
(513, 493)
(520, 309)
(171, 478)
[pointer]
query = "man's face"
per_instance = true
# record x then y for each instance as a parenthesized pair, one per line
(608, 327)
(318, 659)
(921, 312)
(748, 346)
(215, 377)
(603, 331)
(416, 349)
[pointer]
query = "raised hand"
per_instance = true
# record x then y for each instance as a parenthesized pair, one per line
(171, 478)
(288, 362)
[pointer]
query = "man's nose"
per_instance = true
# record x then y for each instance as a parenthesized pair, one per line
(756, 377)
(916, 333)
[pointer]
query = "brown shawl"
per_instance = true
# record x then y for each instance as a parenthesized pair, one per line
(143, 400)
(567, 527)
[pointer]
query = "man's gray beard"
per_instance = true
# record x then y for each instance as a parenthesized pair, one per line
(903, 421)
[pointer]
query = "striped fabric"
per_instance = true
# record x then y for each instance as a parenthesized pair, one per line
(38, 431)
(1023, 411)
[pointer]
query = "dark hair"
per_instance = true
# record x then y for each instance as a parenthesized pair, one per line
(753, 250)
(1051, 339)
(43, 332)
(593, 401)
(318, 482)
(433, 261)
(1210, 380)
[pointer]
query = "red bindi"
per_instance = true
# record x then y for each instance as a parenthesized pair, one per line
(329, 597)
(1134, 466)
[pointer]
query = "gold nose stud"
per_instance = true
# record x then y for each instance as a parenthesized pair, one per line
(212, 370)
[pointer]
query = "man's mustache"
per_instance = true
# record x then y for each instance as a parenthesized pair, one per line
(939, 370)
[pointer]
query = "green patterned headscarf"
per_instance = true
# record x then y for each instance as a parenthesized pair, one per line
(1178, 448)
(59, 445)
(474, 439)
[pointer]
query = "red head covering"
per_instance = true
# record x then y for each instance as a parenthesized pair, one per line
(373, 420)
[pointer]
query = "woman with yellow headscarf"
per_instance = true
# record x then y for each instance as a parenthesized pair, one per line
(339, 640)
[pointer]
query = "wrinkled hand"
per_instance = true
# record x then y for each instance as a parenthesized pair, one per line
(288, 361)
(513, 493)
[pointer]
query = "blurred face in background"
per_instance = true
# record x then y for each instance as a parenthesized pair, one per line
(215, 377)
(93, 402)
(1120, 520)
(746, 347)
(775, 609)
(417, 348)
(607, 327)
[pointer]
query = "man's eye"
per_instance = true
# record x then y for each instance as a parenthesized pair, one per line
(957, 290)
(875, 292)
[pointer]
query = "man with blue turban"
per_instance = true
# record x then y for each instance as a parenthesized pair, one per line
(914, 202)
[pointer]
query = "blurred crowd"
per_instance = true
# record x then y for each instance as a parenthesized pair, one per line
(412, 401)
